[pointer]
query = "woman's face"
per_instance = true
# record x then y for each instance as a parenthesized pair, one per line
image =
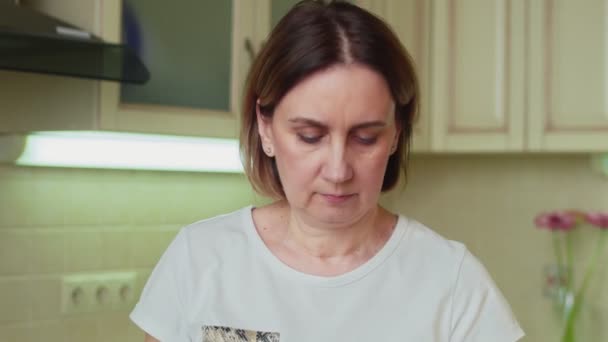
(331, 136)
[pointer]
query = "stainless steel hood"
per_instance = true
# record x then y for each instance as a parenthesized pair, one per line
(34, 42)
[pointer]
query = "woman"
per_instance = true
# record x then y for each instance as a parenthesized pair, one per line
(327, 120)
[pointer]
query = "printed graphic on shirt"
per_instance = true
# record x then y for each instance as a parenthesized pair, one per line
(225, 334)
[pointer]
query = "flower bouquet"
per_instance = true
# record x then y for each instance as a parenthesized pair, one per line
(569, 298)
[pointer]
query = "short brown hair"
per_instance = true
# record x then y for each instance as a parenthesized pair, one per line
(315, 36)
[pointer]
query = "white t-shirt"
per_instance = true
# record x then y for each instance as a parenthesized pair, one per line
(218, 281)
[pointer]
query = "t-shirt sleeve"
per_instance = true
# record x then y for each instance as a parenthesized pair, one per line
(480, 313)
(160, 309)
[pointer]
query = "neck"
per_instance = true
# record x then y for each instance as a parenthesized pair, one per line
(360, 238)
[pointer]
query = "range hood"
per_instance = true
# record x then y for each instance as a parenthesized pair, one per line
(34, 42)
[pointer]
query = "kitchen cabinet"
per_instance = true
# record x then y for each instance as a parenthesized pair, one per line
(507, 76)
(179, 99)
(568, 75)
(199, 114)
(495, 76)
(410, 20)
(468, 56)
(476, 95)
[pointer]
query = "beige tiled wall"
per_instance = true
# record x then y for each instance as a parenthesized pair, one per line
(55, 222)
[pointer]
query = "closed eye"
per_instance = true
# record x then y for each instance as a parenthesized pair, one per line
(309, 139)
(365, 140)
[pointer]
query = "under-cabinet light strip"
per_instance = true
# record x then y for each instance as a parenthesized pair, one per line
(110, 150)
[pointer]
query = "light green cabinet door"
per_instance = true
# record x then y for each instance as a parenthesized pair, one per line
(198, 56)
(568, 75)
(477, 88)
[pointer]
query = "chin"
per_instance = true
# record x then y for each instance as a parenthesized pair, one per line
(338, 215)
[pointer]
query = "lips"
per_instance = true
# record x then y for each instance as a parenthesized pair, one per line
(337, 199)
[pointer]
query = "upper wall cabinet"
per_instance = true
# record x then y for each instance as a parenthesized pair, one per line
(410, 19)
(503, 76)
(568, 75)
(198, 55)
(496, 75)
(469, 56)
(476, 95)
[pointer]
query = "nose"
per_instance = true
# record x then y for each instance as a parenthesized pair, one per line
(337, 168)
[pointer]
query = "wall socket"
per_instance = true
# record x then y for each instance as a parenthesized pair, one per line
(97, 292)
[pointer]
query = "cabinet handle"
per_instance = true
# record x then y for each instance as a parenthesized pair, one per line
(250, 50)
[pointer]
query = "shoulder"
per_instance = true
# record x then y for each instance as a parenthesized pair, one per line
(212, 237)
(217, 227)
(440, 259)
(478, 309)
(204, 244)
(428, 247)
(426, 243)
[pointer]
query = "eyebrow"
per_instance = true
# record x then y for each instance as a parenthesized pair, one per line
(311, 122)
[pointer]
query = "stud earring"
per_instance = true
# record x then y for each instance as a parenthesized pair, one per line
(268, 151)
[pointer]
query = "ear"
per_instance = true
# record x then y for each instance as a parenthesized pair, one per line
(395, 141)
(264, 127)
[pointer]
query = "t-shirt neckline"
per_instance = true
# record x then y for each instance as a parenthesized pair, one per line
(323, 281)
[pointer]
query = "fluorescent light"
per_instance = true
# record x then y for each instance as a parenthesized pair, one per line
(111, 150)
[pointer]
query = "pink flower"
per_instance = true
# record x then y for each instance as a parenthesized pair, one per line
(558, 220)
(599, 219)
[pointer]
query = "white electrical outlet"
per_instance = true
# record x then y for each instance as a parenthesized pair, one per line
(122, 289)
(76, 294)
(97, 292)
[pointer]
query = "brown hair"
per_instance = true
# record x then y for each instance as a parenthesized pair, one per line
(315, 36)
